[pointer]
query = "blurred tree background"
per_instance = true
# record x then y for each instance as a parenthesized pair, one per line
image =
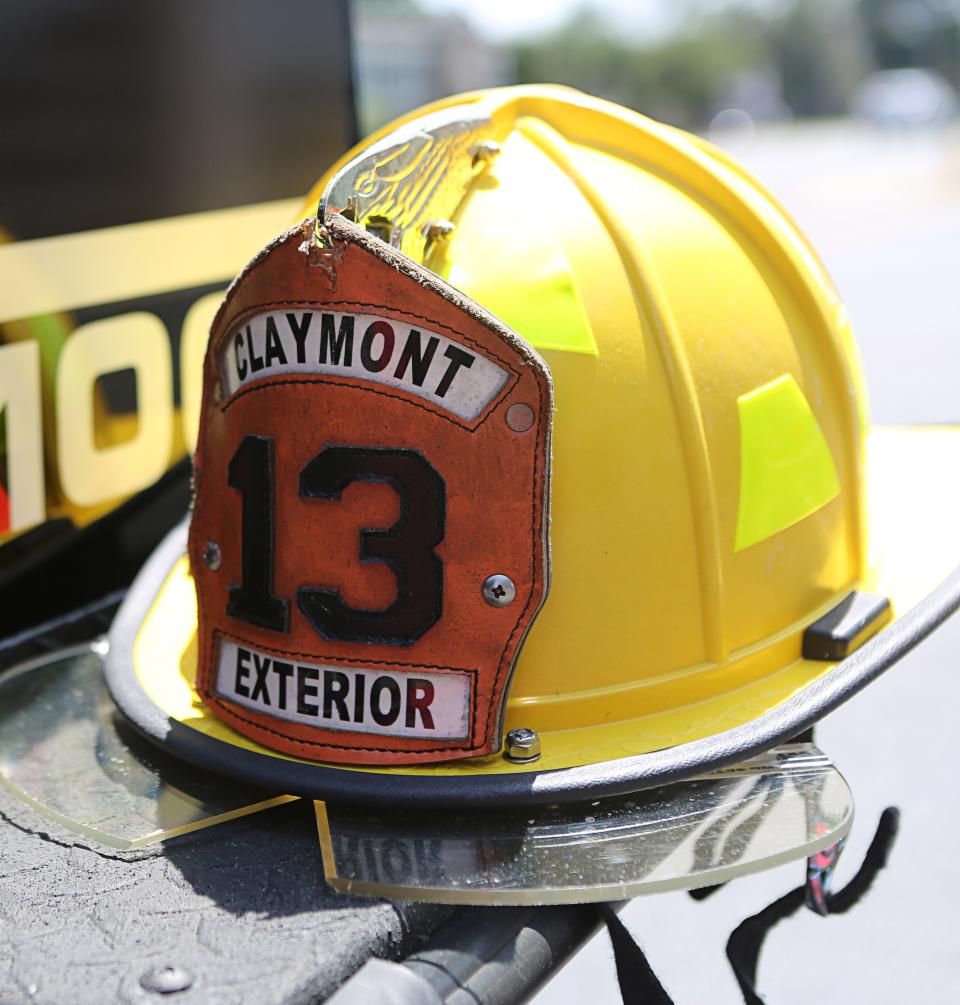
(773, 59)
(681, 61)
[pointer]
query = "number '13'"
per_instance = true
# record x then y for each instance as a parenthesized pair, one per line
(406, 547)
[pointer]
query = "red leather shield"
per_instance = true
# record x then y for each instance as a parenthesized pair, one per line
(369, 534)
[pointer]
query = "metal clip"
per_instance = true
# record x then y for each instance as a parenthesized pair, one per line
(403, 187)
(820, 869)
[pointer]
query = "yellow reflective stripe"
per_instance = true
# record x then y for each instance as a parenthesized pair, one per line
(119, 263)
(528, 282)
(786, 468)
(535, 297)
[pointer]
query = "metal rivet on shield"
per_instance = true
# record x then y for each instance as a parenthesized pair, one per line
(438, 230)
(166, 980)
(498, 591)
(522, 745)
(211, 556)
(485, 151)
(520, 417)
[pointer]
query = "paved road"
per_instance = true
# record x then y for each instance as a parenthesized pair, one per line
(884, 213)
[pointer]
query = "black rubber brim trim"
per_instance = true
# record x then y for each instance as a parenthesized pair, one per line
(628, 774)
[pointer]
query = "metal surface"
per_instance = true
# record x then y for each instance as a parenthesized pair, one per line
(500, 955)
(67, 752)
(378, 982)
(241, 908)
(212, 556)
(499, 590)
(522, 745)
(481, 956)
(520, 417)
(787, 804)
(166, 980)
(485, 151)
(414, 176)
(438, 230)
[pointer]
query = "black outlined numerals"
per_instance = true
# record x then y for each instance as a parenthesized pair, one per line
(406, 547)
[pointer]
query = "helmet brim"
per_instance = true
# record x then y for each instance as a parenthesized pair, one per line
(914, 501)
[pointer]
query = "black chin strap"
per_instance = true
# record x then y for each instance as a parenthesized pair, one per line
(639, 984)
(744, 945)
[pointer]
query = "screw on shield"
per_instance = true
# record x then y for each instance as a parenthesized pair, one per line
(211, 556)
(499, 590)
(520, 417)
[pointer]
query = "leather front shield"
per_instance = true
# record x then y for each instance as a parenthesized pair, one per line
(373, 449)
